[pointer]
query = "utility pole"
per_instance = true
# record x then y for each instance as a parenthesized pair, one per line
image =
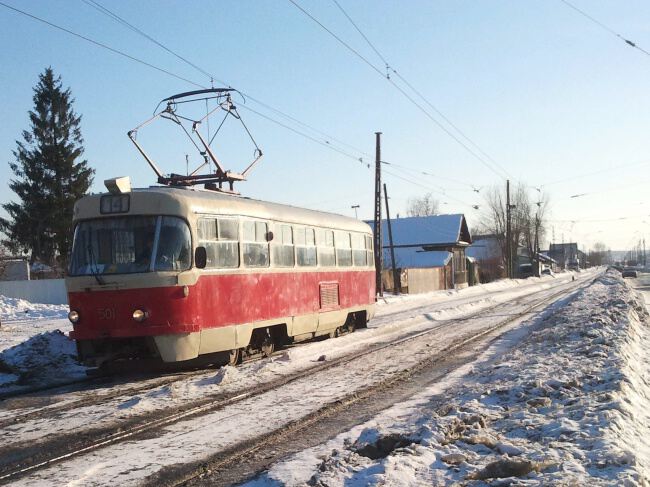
(645, 262)
(508, 240)
(377, 236)
(397, 282)
(536, 246)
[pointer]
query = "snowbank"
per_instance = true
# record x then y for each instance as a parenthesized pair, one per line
(567, 406)
(33, 346)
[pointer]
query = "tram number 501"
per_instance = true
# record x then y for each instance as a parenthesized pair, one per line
(106, 313)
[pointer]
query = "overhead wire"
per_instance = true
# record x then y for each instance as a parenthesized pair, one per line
(117, 18)
(417, 183)
(599, 171)
(606, 27)
(392, 69)
(100, 44)
(326, 143)
(401, 90)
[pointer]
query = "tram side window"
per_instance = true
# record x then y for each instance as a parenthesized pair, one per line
(359, 257)
(283, 246)
(174, 245)
(343, 249)
(325, 242)
(371, 257)
(255, 244)
(220, 237)
(305, 246)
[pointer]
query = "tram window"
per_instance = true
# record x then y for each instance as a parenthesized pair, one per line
(228, 229)
(283, 246)
(343, 249)
(174, 245)
(220, 238)
(255, 245)
(306, 249)
(325, 241)
(115, 245)
(207, 229)
(359, 257)
(369, 251)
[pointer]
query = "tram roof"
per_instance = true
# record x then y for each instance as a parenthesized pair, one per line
(159, 200)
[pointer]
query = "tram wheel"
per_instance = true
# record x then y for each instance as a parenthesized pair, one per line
(268, 347)
(235, 357)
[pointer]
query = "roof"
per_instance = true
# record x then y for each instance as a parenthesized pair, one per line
(414, 258)
(159, 200)
(484, 247)
(419, 231)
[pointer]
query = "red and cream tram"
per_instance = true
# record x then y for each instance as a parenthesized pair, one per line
(183, 274)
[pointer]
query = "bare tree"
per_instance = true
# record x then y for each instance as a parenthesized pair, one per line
(598, 254)
(425, 205)
(526, 220)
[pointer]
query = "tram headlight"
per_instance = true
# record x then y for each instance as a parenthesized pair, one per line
(73, 316)
(140, 315)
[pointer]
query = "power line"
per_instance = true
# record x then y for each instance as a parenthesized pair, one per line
(419, 171)
(605, 27)
(599, 171)
(99, 44)
(362, 35)
(325, 143)
(307, 136)
(399, 88)
(418, 93)
(417, 183)
(104, 10)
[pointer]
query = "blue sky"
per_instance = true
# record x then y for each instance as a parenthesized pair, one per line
(546, 93)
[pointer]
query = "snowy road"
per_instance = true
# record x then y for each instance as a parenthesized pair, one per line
(189, 441)
(569, 405)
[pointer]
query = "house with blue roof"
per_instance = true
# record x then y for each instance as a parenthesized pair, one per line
(430, 242)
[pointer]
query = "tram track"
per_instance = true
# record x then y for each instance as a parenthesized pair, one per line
(248, 459)
(88, 386)
(22, 461)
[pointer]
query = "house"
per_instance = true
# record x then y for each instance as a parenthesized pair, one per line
(433, 244)
(420, 271)
(566, 255)
(526, 267)
(14, 269)
(486, 249)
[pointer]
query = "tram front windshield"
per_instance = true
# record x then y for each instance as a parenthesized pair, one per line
(127, 245)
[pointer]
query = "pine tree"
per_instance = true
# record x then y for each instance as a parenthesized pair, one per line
(50, 176)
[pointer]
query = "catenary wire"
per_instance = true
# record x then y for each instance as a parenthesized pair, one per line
(605, 27)
(390, 68)
(104, 10)
(111, 14)
(400, 89)
(132, 58)
(100, 44)
(169, 73)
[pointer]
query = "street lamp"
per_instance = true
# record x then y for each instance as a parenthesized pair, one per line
(355, 208)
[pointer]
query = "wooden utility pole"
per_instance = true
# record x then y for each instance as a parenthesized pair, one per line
(508, 237)
(377, 235)
(397, 282)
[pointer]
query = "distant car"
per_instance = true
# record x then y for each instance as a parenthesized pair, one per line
(546, 272)
(629, 273)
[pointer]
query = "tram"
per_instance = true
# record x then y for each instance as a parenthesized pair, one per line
(180, 274)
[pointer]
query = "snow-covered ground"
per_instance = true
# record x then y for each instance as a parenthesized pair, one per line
(130, 462)
(568, 405)
(34, 350)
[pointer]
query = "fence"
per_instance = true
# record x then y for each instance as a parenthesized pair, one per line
(46, 291)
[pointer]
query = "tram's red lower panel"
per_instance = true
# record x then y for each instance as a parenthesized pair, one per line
(214, 301)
